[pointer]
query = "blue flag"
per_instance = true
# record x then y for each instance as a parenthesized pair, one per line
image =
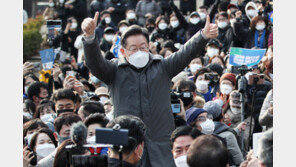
(249, 57)
(47, 58)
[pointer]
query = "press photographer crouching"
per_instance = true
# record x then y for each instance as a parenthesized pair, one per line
(132, 153)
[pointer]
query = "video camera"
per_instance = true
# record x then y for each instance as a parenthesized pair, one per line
(53, 25)
(213, 78)
(175, 96)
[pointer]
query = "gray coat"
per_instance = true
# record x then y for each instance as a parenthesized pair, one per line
(145, 93)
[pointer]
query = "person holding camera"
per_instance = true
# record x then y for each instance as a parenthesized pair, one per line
(139, 82)
(202, 84)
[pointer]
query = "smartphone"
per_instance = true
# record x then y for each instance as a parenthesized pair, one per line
(71, 74)
(52, 25)
(176, 108)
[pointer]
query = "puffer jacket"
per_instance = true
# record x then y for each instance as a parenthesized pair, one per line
(265, 118)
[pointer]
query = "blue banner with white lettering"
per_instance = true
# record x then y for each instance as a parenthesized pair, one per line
(47, 58)
(249, 57)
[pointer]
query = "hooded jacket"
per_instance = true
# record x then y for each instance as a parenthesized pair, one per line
(221, 129)
(145, 92)
(254, 6)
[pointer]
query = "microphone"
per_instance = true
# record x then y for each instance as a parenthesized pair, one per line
(78, 133)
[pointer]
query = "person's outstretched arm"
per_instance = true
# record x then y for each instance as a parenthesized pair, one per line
(99, 66)
(179, 60)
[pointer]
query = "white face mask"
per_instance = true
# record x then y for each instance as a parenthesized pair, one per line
(222, 24)
(162, 26)
(208, 127)
(46, 117)
(139, 59)
(271, 75)
(26, 89)
(235, 110)
(108, 20)
(225, 89)
(51, 4)
(194, 67)
(194, 20)
(109, 38)
(43, 150)
(131, 16)
(123, 28)
(212, 52)
(74, 25)
(181, 161)
(251, 12)
(202, 85)
(91, 140)
(202, 16)
(103, 99)
(28, 115)
(175, 24)
(62, 1)
(260, 27)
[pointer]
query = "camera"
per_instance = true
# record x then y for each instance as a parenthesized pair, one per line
(256, 79)
(213, 78)
(186, 97)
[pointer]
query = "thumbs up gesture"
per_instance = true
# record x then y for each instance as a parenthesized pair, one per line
(88, 25)
(210, 30)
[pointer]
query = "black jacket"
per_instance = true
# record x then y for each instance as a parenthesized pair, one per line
(178, 33)
(118, 14)
(97, 5)
(225, 37)
(247, 36)
(194, 28)
(112, 162)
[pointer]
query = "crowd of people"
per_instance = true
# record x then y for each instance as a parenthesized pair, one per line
(161, 71)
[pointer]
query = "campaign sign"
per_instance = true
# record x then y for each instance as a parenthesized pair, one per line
(47, 58)
(248, 57)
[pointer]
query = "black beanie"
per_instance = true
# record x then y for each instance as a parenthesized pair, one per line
(217, 68)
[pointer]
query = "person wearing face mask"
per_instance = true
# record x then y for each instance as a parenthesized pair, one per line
(181, 139)
(45, 111)
(106, 41)
(131, 17)
(256, 36)
(234, 113)
(132, 80)
(150, 25)
(223, 131)
(37, 92)
(202, 85)
(29, 128)
(103, 94)
(28, 109)
(227, 85)
(105, 21)
(194, 25)
(212, 49)
(134, 151)
(195, 65)
(178, 25)
(49, 12)
(225, 32)
(251, 10)
(162, 29)
(62, 125)
(122, 26)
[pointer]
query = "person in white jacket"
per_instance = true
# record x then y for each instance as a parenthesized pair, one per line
(79, 45)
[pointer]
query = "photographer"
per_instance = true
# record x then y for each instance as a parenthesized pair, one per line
(202, 84)
(133, 152)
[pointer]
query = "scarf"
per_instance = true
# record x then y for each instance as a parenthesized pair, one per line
(262, 38)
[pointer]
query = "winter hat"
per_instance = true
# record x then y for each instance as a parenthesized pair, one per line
(213, 108)
(230, 77)
(194, 13)
(192, 113)
(254, 6)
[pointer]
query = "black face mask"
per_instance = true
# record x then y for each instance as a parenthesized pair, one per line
(187, 99)
(63, 111)
(150, 29)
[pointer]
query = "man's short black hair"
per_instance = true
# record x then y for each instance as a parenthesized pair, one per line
(104, 12)
(184, 131)
(185, 84)
(91, 107)
(63, 94)
(96, 118)
(203, 7)
(223, 14)
(67, 118)
(136, 132)
(134, 30)
(207, 150)
(34, 89)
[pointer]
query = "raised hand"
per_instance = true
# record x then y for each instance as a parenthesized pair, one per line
(88, 25)
(210, 30)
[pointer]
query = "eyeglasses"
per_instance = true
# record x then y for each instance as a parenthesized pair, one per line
(203, 118)
(135, 49)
